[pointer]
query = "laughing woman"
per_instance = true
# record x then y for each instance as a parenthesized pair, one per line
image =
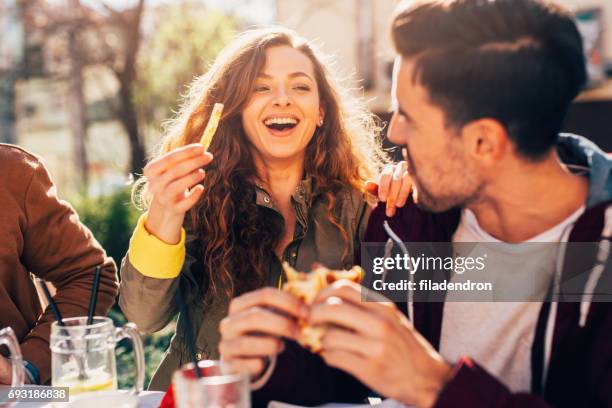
(283, 180)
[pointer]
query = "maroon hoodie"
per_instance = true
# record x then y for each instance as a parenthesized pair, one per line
(572, 342)
(579, 367)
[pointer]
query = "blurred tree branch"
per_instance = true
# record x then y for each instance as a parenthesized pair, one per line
(75, 36)
(127, 23)
(181, 39)
(187, 38)
(76, 98)
(59, 31)
(11, 61)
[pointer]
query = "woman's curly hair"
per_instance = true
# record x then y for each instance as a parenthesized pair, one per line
(237, 241)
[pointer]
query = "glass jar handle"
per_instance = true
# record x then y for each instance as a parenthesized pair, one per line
(129, 331)
(8, 338)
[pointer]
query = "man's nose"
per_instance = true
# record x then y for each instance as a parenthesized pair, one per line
(394, 133)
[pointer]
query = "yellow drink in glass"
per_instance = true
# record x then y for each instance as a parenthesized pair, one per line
(97, 380)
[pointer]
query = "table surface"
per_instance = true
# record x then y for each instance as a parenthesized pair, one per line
(146, 399)
(151, 399)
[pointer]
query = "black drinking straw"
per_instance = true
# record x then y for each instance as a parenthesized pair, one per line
(54, 309)
(93, 297)
(60, 321)
(188, 333)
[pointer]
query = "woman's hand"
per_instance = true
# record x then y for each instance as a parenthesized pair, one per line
(173, 181)
(257, 322)
(393, 186)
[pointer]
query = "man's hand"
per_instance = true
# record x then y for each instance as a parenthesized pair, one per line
(377, 344)
(392, 186)
(255, 327)
(6, 371)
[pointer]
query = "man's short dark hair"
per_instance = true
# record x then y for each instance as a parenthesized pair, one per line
(518, 61)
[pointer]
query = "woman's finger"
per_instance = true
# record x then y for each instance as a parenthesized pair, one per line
(163, 163)
(191, 198)
(181, 169)
(372, 187)
(398, 171)
(402, 197)
(384, 182)
(178, 188)
(395, 187)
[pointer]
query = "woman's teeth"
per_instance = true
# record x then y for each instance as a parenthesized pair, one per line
(280, 121)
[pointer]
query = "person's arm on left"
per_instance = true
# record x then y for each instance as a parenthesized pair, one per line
(58, 248)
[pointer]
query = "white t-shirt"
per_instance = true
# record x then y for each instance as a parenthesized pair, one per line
(499, 335)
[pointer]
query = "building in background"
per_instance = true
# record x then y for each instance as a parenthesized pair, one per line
(355, 33)
(605, 8)
(37, 100)
(73, 104)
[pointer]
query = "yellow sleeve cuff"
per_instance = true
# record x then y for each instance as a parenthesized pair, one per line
(153, 257)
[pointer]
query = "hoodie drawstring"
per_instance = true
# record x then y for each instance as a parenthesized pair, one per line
(400, 244)
(552, 314)
(602, 256)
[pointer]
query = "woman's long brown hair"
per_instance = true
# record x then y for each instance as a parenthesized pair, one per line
(237, 241)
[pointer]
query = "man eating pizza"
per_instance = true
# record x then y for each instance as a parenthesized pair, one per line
(481, 89)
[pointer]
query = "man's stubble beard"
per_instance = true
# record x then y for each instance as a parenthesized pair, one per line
(424, 199)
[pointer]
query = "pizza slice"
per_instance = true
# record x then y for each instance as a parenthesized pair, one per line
(306, 286)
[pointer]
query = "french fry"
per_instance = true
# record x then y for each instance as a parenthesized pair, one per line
(211, 126)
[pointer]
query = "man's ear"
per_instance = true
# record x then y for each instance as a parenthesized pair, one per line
(486, 140)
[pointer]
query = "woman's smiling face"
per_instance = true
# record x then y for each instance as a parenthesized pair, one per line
(284, 109)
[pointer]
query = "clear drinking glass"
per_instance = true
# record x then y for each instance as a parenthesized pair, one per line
(221, 386)
(83, 356)
(8, 338)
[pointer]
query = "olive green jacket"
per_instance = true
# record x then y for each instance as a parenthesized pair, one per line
(151, 303)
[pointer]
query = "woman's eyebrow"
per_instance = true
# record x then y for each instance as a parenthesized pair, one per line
(263, 75)
(299, 74)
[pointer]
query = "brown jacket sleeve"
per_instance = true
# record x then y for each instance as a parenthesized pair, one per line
(61, 250)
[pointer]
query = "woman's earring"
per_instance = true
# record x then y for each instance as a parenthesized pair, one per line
(320, 122)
